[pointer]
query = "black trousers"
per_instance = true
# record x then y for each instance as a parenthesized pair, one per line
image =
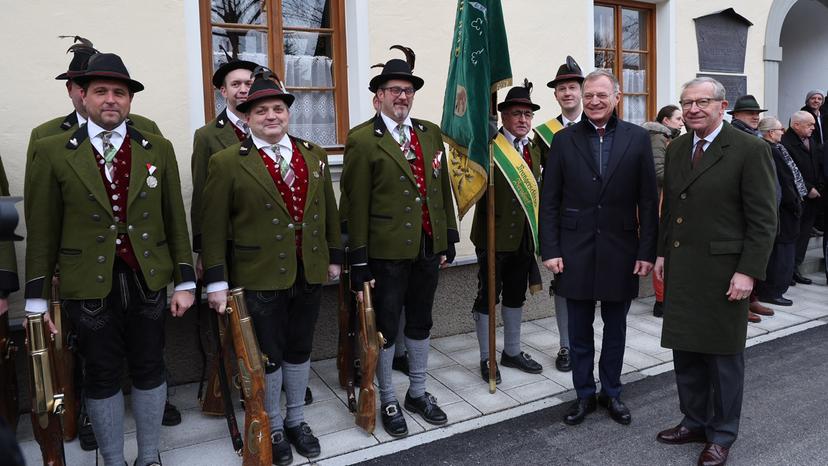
(710, 388)
(582, 346)
(779, 272)
(285, 320)
(806, 223)
(128, 323)
(511, 277)
(408, 284)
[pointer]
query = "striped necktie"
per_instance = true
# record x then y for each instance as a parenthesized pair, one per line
(405, 143)
(284, 166)
(109, 149)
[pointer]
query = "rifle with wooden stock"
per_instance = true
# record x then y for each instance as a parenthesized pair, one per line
(64, 367)
(257, 449)
(370, 342)
(9, 407)
(345, 358)
(212, 400)
(47, 401)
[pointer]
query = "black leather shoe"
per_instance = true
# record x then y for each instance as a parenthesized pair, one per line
(172, 416)
(426, 406)
(618, 411)
(303, 440)
(279, 446)
(578, 410)
(484, 372)
(86, 435)
(658, 309)
(393, 420)
(679, 435)
(522, 361)
(400, 363)
(562, 362)
(782, 301)
(800, 279)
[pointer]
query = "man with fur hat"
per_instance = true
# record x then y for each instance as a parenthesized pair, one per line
(275, 193)
(515, 265)
(567, 88)
(402, 229)
(108, 211)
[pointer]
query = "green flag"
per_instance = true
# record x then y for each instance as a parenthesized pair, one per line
(479, 66)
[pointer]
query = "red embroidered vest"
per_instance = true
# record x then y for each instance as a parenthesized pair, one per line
(418, 168)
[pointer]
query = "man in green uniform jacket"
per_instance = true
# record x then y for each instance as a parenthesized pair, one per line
(275, 193)
(402, 228)
(709, 259)
(514, 246)
(107, 209)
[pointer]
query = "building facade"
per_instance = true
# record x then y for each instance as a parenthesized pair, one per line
(324, 50)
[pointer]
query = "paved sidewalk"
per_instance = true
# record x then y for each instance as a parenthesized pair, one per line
(453, 377)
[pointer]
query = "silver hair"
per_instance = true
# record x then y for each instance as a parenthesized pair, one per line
(801, 116)
(719, 92)
(616, 86)
(767, 123)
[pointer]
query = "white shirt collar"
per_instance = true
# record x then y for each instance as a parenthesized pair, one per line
(237, 122)
(81, 119)
(285, 147)
(567, 120)
(511, 138)
(94, 131)
(391, 125)
(709, 138)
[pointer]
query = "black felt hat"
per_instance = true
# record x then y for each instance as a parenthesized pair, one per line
(397, 69)
(266, 85)
(569, 71)
(81, 50)
(108, 66)
(519, 95)
(746, 103)
(232, 64)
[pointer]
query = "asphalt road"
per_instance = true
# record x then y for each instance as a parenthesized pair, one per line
(784, 421)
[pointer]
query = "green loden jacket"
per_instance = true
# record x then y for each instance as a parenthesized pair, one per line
(240, 192)
(67, 125)
(510, 219)
(70, 220)
(8, 260)
(380, 192)
(211, 138)
(717, 219)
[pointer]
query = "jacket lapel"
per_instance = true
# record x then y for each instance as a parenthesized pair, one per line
(715, 151)
(224, 132)
(252, 163)
(581, 140)
(428, 153)
(620, 141)
(141, 157)
(387, 143)
(315, 170)
(81, 158)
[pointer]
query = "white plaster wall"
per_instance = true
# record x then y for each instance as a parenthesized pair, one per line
(804, 55)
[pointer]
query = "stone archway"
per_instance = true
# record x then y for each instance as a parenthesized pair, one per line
(773, 51)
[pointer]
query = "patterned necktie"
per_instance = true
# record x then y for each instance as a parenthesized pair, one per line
(245, 128)
(109, 150)
(405, 143)
(569, 123)
(517, 146)
(284, 166)
(697, 154)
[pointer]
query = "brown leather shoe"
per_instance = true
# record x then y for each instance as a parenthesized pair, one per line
(679, 435)
(713, 455)
(754, 318)
(757, 308)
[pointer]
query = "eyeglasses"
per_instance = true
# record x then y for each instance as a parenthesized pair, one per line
(396, 90)
(700, 103)
(528, 114)
(601, 96)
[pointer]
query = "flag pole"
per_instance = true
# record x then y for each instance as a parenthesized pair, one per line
(490, 254)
